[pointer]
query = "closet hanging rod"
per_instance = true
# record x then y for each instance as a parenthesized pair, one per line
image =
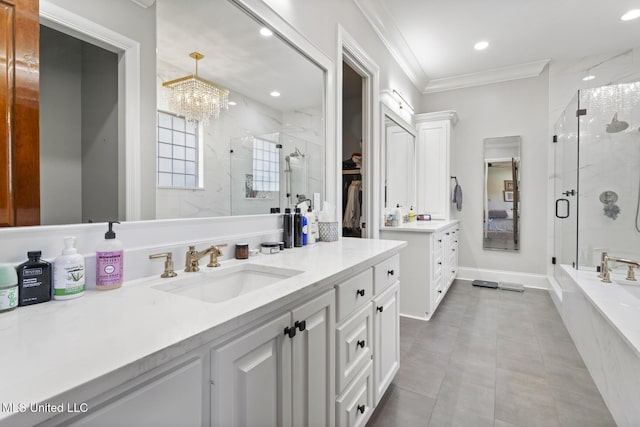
(351, 172)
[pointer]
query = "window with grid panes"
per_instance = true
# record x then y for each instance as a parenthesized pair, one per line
(177, 152)
(266, 166)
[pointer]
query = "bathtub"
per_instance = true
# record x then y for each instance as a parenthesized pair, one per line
(603, 320)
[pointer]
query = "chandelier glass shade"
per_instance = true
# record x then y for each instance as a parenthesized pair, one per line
(196, 99)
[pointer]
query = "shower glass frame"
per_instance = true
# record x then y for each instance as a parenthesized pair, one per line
(592, 159)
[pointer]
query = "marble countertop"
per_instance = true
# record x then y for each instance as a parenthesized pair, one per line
(422, 226)
(618, 303)
(51, 348)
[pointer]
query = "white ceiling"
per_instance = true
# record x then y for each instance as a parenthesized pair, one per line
(433, 39)
(236, 55)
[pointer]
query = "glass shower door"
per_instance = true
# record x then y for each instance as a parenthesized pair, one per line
(565, 186)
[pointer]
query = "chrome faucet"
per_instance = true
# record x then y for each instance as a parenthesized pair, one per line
(604, 267)
(193, 257)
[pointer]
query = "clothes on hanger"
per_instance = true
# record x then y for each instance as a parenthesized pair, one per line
(352, 210)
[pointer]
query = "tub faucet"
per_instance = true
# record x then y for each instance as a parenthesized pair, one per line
(604, 267)
(193, 257)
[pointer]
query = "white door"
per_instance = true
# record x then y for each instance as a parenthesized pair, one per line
(251, 378)
(386, 336)
(313, 362)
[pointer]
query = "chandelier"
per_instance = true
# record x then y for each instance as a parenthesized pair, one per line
(196, 99)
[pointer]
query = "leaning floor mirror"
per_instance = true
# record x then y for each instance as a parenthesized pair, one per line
(502, 195)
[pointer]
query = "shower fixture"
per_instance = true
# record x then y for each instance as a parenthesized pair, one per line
(616, 125)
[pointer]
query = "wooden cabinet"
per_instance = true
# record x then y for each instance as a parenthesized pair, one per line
(280, 374)
(386, 339)
(433, 170)
(19, 108)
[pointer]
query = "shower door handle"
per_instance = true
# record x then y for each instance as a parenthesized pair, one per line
(558, 206)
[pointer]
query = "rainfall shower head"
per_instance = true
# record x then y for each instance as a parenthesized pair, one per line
(616, 125)
(296, 153)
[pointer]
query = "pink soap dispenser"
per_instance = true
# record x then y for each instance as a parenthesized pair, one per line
(109, 261)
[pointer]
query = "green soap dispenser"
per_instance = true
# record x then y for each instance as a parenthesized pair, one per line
(109, 261)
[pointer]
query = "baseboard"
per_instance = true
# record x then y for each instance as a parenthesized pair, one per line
(537, 281)
(555, 291)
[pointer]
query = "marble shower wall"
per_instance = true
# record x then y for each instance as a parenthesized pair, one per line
(609, 162)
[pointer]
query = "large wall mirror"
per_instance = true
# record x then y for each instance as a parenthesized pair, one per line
(267, 150)
(502, 193)
(399, 160)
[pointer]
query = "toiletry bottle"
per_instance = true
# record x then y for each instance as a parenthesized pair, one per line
(311, 220)
(109, 259)
(287, 228)
(398, 214)
(68, 272)
(411, 214)
(8, 287)
(305, 230)
(34, 280)
(297, 229)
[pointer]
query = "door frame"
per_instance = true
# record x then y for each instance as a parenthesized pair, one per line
(129, 102)
(350, 52)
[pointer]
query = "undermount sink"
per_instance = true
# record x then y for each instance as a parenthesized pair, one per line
(225, 283)
(632, 287)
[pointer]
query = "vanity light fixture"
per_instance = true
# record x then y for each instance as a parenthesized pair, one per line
(265, 32)
(632, 14)
(275, 94)
(196, 99)
(481, 45)
(589, 77)
(400, 105)
(232, 103)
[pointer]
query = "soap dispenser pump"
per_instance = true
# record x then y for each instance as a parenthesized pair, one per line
(109, 261)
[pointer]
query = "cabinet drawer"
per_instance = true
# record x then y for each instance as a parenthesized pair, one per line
(354, 341)
(354, 406)
(386, 273)
(354, 293)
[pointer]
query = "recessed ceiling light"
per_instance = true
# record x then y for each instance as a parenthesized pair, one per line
(632, 14)
(232, 103)
(589, 77)
(275, 94)
(481, 45)
(264, 31)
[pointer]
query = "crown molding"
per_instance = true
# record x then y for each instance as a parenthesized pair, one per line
(388, 32)
(144, 3)
(450, 115)
(496, 75)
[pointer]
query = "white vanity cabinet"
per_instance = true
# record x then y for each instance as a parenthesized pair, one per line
(429, 264)
(433, 171)
(281, 373)
(368, 340)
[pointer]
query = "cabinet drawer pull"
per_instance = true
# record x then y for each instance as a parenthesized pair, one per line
(390, 272)
(447, 234)
(439, 291)
(361, 408)
(439, 262)
(456, 241)
(453, 249)
(439, 240)
(360, 292)
(380, 308)
(290, 332)
(360, 344)
(301, 325)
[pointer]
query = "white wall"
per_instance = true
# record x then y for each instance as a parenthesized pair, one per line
(518, 107)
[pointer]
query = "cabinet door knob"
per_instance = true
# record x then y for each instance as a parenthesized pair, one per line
(453, 249)
(439, 240)
(390, 272)
(361, 408)
(290, 332)
(380, 308)
(447, 234)
(440, 291)
(360, 292)
(360, 344)
(439, 262)
(301, 325)
(456, 241)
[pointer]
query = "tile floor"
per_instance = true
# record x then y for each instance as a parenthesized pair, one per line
(490, 358)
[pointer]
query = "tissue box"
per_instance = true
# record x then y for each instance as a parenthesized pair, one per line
(328, 231)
